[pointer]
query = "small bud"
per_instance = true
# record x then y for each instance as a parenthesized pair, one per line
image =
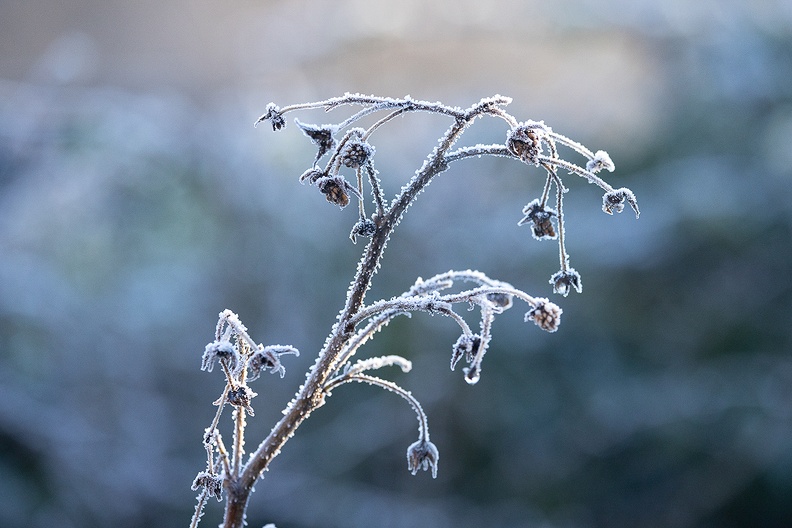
(541, 218)
(545, 314)
(221, 350)
(601, 161)
(614, 201)
(564, 280)
(363, 227)
(241, 397)
(274, 116)
(525, 140)
(422, 454)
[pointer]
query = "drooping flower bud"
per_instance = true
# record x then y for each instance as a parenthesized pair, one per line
(565, 280)
(541, 219)
(525, 140)
(422, 454)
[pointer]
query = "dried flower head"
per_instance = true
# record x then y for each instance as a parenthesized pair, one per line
(268, 358)
(466, 345)
(422, 454)
(321, 136)
(241, 397)
(565, 280)
(545, 314)
(614, 201)
(274, 116)
(335, 189)
(541, 217)
(601, 161)
(525, 140)
(212, 483)
(221, 350)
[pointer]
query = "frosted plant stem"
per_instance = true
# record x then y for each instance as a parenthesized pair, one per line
(562, 255)
(361, 201)
(203, 498)
(525, 142)
(382, 121)
(220, 402)
(239, 440)
(311, 395)
(376, 189)
(546, 191)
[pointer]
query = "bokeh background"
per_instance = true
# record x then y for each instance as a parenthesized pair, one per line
(137, 201)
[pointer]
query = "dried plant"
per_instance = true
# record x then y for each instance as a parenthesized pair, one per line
(227, 476)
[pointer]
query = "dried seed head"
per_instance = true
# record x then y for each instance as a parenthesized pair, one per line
(335, 190)
(601, 161)
(565, 280)
(614, 201)
(541, 219)
(545, 314)
(525, 140)
(356, 153)
(422, 454)
(212, 483)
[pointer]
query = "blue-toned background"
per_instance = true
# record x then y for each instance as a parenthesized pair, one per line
(137, 201)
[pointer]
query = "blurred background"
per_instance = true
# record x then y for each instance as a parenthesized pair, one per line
(137, 201)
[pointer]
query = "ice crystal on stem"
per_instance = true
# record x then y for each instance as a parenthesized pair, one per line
(349, 173)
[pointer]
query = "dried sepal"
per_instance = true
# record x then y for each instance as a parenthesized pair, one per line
(311, 175)
(613, 201)
(545, 314)
(424, 455)
(220, 350)
(321, 136)
(540, 216)
(268, 358)
(566, 280)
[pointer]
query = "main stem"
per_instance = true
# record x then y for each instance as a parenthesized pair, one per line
(311, 395)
